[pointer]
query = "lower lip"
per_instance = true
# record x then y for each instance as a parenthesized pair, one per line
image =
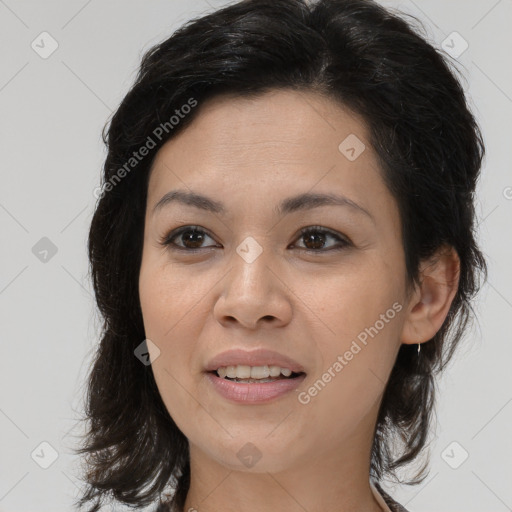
(242, 392)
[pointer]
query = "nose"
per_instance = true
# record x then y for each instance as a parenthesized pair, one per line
(254, 294)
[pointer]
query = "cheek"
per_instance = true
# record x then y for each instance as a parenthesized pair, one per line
(162, 308)
(354, 299)
(175, 307)
(168, 296)
(169, 304)
(361, 322)
(362, 313)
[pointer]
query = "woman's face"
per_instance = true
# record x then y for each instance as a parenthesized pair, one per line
(332, 302)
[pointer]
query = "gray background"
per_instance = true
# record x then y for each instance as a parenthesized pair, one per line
(52, 113)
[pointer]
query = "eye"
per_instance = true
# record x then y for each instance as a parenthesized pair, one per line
(316, 237)
(192, 238)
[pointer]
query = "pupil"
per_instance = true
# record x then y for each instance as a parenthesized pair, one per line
(318, 244)
(190, 237)
(317, 239)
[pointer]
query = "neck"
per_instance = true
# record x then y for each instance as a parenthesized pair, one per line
(321, 482)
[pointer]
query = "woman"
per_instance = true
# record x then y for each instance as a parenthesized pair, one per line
(283, 253)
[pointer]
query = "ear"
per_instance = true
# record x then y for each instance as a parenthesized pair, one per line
(430, 301)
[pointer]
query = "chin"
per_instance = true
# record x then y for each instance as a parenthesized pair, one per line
(252, 454)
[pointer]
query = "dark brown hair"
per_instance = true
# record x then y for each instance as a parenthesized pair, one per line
(430, 149)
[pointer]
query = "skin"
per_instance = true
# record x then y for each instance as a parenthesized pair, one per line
(251, 154)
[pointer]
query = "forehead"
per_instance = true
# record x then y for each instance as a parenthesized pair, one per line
(282, 122)
(277, 143)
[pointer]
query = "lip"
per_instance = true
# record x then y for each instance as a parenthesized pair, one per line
(253, 393)
(259, 357)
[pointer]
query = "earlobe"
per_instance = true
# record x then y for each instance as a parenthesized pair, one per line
(431, 300)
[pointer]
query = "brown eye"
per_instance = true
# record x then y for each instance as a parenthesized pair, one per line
(315, 239)
(191, 237)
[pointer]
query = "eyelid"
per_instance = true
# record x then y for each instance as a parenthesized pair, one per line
(166, 239)
(341, 238)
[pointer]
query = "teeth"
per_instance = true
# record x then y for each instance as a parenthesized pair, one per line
(252, 372)
(275, 371)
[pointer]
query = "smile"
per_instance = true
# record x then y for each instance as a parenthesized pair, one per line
(254, 391)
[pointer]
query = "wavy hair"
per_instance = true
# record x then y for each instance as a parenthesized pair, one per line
(373, 61)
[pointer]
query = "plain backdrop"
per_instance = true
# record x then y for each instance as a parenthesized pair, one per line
(52, 110)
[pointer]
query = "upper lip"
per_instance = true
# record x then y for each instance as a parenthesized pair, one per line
(259, 357)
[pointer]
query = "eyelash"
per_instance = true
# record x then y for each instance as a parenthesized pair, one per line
(167, 240)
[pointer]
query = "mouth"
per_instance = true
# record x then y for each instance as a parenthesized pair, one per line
(237, 385)
(256, 374)
(253, 377)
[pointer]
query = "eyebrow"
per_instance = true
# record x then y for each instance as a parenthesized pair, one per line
(301, 202)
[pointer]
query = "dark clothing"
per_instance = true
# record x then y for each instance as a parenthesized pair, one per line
(390, 502)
